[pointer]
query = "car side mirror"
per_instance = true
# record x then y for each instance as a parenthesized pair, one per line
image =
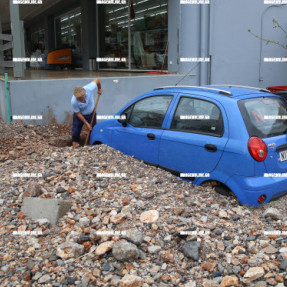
(123, 120)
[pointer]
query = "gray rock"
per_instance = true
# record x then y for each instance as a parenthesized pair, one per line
(218, 231)
(70, 280)
(270, 249)
(283, 265)
(60, 190)
(273, 213)
(60, 262)
(53, 256)
(191, 250)
(133, 235)
(43, 222)
(44, 279)
(52, 209)
(85, 221)
(125, 251)
(106, 267)
(154, 249)
(5, 268)
(70, 250)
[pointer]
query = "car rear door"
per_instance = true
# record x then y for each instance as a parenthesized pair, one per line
(141, 135)
(196, 135)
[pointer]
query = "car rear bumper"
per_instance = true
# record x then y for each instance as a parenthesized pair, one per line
(249, 189)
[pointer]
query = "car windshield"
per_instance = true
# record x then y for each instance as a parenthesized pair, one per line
(264, 117)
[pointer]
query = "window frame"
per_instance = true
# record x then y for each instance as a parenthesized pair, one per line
(197, 132)
(151, 96)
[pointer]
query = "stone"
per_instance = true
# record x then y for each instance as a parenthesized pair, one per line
(106, 267)
(104, 247)
(44, 279)
(191, 250)
(118, 218)
(283, 265)
(190, 284)
(154, 249)
(33, 190)
(84, 221)
(167, 256)
(133, 235)
(131, 281)
(223, 214)
(260, 284)
(272, 212)
(21, 215)
(70, 250)
(52, 209)
(179, 210)
(229, 281)
(149, 216)
(60, 190)
(43, 222)
(126, 201)
(237, 249)
(94, 236)
(209, 283)
(270, 249)
(208, 266)
(253, 274)
(97, 272)
(125, 251)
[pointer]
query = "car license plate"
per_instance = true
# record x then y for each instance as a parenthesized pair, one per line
(283, 155)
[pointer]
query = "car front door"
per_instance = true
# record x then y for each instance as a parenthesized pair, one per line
(140, 136)
(195, 137)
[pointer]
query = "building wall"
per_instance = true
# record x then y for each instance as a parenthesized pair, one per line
(236, 53)
(221, 31)
(52, 98)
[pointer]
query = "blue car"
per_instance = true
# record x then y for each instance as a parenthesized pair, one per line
(233, 137)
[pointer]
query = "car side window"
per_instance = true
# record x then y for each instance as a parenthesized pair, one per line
(197, 116)
(150, 112)
(127, 112)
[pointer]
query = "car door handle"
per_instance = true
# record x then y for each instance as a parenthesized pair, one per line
(151, 136)
(210, 147)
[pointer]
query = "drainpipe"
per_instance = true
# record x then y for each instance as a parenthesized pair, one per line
(203, 44)
(7, 99)
(210, 13)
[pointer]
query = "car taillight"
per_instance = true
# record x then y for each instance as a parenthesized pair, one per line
(257, 148)
(261, 199)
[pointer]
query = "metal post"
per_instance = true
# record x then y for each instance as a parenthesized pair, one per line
(7, 99)
(18, 45)
(1, 53)
(129, 35)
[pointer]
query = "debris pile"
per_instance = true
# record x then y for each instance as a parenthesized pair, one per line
(147, 228)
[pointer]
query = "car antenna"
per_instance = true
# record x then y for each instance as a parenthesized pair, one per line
(187, 74)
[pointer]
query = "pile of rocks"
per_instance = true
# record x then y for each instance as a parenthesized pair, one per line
(140, 226)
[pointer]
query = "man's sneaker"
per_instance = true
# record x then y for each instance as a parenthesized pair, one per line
(75, 144)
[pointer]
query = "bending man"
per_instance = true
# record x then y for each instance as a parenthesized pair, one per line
(83, 104)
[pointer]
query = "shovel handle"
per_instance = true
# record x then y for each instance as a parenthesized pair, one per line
(93, 116)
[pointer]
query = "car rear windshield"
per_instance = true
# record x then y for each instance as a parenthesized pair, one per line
(265, 116)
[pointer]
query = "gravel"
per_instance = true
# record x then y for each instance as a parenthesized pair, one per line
(138, 220)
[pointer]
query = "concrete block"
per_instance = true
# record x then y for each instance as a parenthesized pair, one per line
(52, 209)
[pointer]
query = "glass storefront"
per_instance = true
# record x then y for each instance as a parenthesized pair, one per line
(137, 32)
(69, 34)
(38, 40)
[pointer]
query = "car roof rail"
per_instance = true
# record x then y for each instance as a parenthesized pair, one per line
(219, 91)
(244, 87)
